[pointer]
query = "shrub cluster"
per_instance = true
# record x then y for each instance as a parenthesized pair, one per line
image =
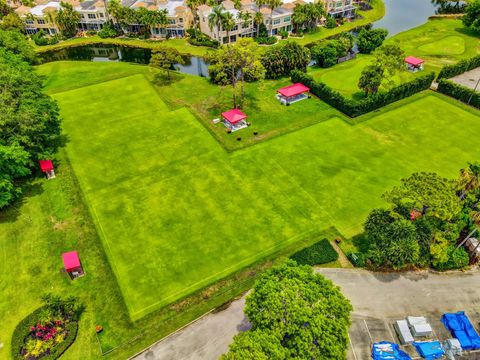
(355, 108)
(108, 31)
(460, 67)
(24, 327)
(280, 60)
(40, 39)
(269, 40)
(197, 38)
(459, 92)
(321, 252)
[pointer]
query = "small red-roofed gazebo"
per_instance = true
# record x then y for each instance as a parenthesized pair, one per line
(292, 93)
(414, 64)
(72, 264)
(234, 119)
(47, 168)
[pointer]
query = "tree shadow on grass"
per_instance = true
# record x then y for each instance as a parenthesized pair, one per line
(360, 241)
(11, 213)
(163, 79)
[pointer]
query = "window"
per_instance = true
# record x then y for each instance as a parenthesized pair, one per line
(92, 16)
(30, 22)
(40, 21)
(287, 18)
(101, 15)
(180, 20)
(348, 2)
(171, 21)
(276, 21)
(338, 4)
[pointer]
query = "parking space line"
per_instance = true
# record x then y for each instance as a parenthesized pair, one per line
(352, 347)
(368, 331)
(389, 330)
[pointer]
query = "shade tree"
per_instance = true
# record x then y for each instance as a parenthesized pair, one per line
(369, 40)
(295, 313)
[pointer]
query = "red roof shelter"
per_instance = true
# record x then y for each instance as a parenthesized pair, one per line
(47, 167)
(234, 119)
(293, 90)
(414, 63)
(234, 116)
(292, 93)
(72, 264)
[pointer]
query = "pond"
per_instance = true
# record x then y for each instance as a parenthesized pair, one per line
(112, 53)
(400, 15)
(403, 15)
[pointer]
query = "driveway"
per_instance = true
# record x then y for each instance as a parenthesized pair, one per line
(469, 79)
(378, 299)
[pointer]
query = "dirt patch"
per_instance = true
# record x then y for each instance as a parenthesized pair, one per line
(59, 225)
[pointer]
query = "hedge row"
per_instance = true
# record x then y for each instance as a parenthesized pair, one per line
(459, 92)
(23, 329)
(321, 252)
(462, 66)
(355, 108)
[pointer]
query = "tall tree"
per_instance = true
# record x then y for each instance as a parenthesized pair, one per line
(67, 20)
(370, 79)
(369, 40)
(272, 5)
(215, 19)
(428, 192)
(295, 313)
(29, 121)
(469, 179)
(390, 58)
(228, 23)
(12, 22)
(258, 19)
(164, 58)
(149, 18)
(471, 19)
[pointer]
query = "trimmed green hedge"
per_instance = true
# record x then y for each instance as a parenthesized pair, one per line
(459, 92)
(462, 66)
(321, 252)
(354, 108)
(23, 329)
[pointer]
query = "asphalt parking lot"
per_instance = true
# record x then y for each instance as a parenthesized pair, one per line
(379, 299)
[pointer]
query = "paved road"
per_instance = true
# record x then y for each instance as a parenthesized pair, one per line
(469, 79)
(377, 299)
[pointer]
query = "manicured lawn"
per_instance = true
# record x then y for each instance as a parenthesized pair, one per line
(439, 42)
(368, 17)
(344, 77)
(180, 44)
(226, 211)
(175, 212)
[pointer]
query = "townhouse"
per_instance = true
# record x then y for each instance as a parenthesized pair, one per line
(280, 19)
(93, 14)
(39, 17)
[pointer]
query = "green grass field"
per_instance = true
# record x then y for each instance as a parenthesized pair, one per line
(344, 77)
(166, 194)
(438, 42)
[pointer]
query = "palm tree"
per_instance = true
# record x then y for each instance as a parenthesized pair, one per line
(469, 179)
(228, 23)
(215, 19)
(299, 17)
(245, 16)
(258, 19)
(272, 5)
(193, 5)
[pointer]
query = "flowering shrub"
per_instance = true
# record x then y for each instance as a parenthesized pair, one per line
(47, 332)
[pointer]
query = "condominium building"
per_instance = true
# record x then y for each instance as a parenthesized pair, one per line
(340, 8)
(242, 28)
(39, 17)
(93, 14)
